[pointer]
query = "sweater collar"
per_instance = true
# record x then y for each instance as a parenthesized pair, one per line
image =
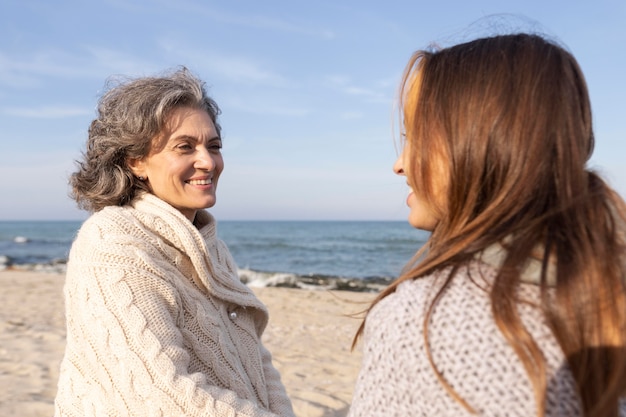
(530, 273)
(209, 255)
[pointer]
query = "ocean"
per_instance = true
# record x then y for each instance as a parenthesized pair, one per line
(358, 255)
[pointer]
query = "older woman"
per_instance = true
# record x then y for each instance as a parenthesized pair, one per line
(158, 322)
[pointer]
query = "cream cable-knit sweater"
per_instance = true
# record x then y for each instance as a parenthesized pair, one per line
(396, 378)
(158, 323)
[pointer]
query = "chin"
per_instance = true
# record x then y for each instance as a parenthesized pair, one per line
(210, 204)
(423, 224)
(421, 227)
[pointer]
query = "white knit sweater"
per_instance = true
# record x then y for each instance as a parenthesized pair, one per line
(158, 323)
(396, 378)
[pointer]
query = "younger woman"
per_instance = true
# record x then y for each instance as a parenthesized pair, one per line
(517, 304)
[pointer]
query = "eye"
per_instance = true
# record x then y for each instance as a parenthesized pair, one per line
(214, 146)
(184, 147)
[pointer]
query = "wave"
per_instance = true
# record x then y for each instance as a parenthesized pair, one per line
(252, 278)
(312, 282)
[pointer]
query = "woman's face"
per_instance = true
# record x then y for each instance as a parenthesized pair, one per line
(422, 214)
(185, 162)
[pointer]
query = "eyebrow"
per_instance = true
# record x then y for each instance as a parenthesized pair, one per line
(194, 138)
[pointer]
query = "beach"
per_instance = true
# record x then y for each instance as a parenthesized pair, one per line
(309, 335)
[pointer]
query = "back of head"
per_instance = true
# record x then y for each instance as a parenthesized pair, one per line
(131, 116)
(507, 120)
(512, 116)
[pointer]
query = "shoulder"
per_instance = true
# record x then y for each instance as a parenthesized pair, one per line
(453, 313)
(447, 318)
(461, 300)
(397, 352)
(112, 230)
(114, 253)
(464, 290)
(110, 219)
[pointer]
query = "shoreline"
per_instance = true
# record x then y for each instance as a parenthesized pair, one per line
(252, 278)
(309, 335)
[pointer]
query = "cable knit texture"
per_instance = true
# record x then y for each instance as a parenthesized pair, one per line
(159, 324)
(396, 378)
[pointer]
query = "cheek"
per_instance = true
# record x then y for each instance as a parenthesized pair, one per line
(422, 214)
(219, 164)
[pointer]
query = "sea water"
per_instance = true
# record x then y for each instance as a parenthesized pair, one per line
(374, 251)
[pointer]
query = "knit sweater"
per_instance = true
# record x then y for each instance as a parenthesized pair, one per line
(397, 379)
(158, 323)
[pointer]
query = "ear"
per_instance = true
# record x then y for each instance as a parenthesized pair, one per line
(137, 166)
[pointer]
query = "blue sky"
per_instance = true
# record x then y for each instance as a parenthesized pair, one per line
(306, 89)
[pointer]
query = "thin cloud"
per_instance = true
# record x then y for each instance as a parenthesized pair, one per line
(358, 91)
(252, 21)
(345, 85)
(18, 80)
(266, 108)
(45, 112)
(50, 62)
(263, 22)
(118, 62)
(97, 62)
(371, 96)
(242, 69)
(230, 67)
(340, 80)
(351, 115)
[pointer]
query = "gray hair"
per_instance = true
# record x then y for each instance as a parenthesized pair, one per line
(131, 113)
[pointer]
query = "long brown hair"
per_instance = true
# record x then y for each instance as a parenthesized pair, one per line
(512, 116)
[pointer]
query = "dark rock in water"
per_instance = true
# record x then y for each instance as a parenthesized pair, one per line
(312, 282)
(345, 284)
(363, 285)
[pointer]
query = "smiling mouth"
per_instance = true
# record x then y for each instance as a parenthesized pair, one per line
(200, 182)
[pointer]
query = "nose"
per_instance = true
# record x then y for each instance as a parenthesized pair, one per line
(205, 159)
(398, 166)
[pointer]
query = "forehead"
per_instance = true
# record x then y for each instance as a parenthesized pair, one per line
(189, 122)
(189, 119)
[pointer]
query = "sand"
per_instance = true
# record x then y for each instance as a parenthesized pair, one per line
(309, 335)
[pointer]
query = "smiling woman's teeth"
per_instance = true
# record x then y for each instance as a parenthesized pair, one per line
(199, 182)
